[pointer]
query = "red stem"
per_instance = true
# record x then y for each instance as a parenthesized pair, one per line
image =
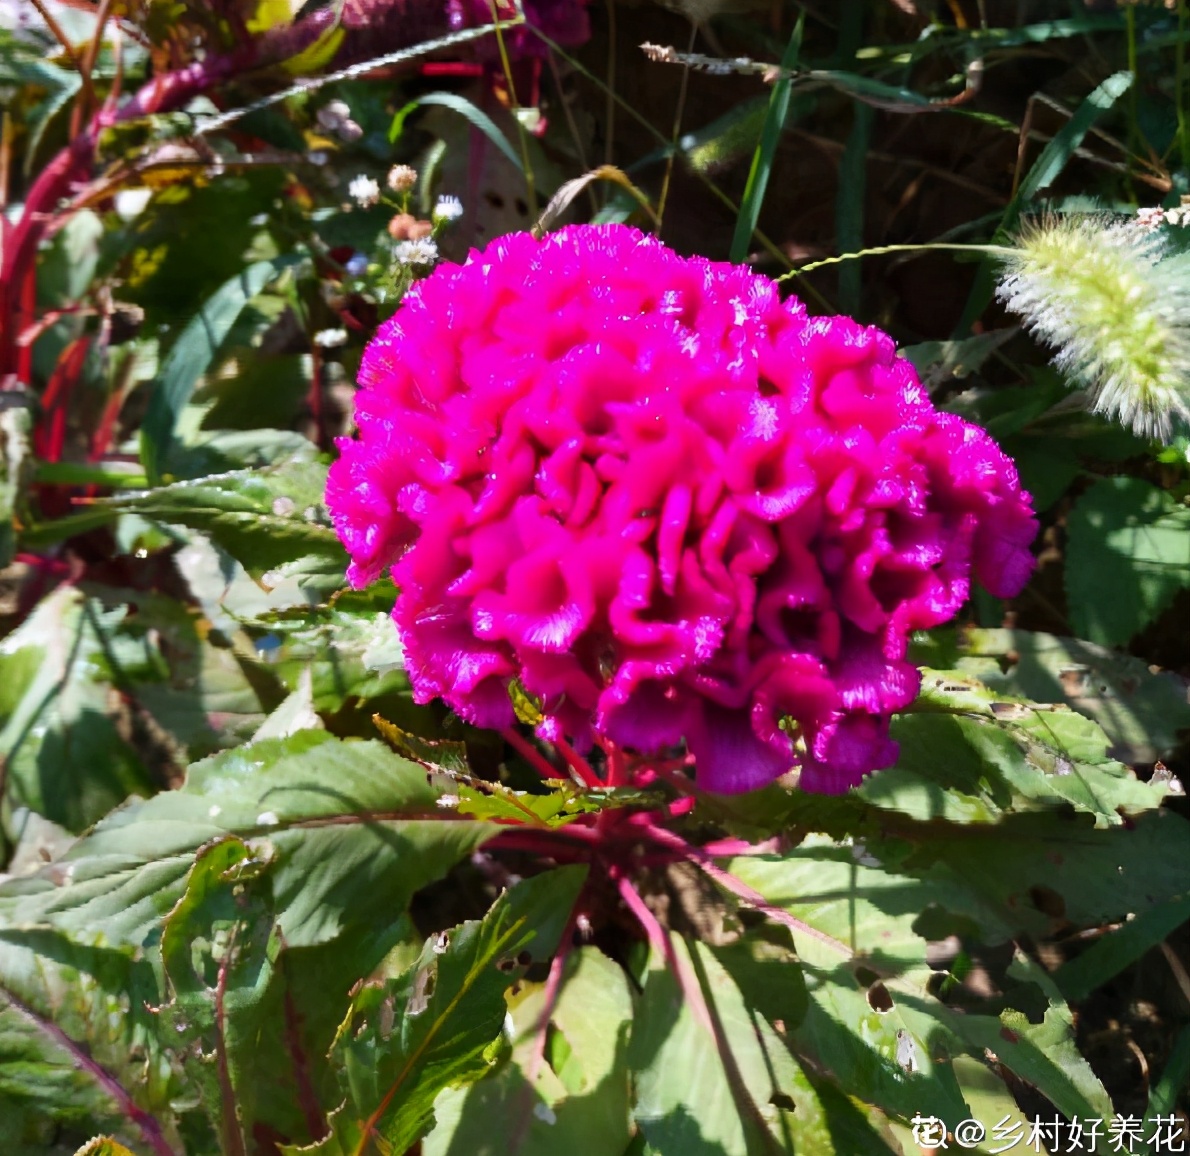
(581, 768)
(49, 439)
(553, 988)
(660, 941)
(529, 753)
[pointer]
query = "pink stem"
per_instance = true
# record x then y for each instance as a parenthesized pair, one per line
(553, 988)
(661, 943)
(739, 888)
(530, 754)
(577, 763)
(724, 848)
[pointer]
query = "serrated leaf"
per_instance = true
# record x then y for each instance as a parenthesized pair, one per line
(103, 1146)
(443, 756)
(408, 1039)
(1127, 556)
(970, 755)
(553, 809)
(272, 521)
(1142, 710)
(354, 830)
(218, 947)
(893, 1049)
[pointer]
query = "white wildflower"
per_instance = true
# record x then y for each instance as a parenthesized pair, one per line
(401, 178)
(447, 209)
(357, 264)
(420, 252)
(331, 115)
(1116, 305)
(330, 338)
(364, 191)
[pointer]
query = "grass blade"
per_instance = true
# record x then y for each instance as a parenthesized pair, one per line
(762, 158)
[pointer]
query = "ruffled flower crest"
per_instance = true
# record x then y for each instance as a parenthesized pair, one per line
(670, 504)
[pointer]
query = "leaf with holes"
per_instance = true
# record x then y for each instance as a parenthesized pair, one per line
(440, 1023)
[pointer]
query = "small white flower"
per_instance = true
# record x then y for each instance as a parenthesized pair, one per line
(131, 202)
(401, 178)
(420, 252)
(447, 209)
(332, 114)
(364, 191)
(330, 338)
(357, 264)
(1150, 218)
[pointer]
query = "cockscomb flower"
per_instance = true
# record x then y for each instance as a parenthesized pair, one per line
(672, 506)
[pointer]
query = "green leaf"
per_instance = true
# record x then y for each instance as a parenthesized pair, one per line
(1044, 1054)
(272, 521)
(941, 362)
(15, 425)
(406, 1040)
(464, 108)
(1057, 153)
(1164, 1093)
(701, 1093)
(983, 756)
(103, 1146)
(1145, 712)
(575, 1098)
(352, 831)
(1127, 556)
(219, 948)
(849, 204)
(67, 759)
(189, 358)
(892, 1045)
(1108, 956)
(766, 147)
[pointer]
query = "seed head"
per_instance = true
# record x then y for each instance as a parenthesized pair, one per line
(1116, 306)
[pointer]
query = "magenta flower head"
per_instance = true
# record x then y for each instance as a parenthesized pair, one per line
(672, 505)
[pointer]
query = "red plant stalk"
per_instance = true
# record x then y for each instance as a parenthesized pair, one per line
(49, 438)
(43, 212)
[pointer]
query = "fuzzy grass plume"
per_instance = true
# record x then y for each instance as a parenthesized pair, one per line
(1116, 305)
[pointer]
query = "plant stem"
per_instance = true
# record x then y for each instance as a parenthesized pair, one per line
(673, 144)
(739, 888)
(522, 135)
(881, 250)
(529, 753)
(1181, 98)
(660, 941)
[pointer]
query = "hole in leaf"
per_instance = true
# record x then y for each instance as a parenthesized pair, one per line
(879, 999)
(866, 976)
(1047, 901)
